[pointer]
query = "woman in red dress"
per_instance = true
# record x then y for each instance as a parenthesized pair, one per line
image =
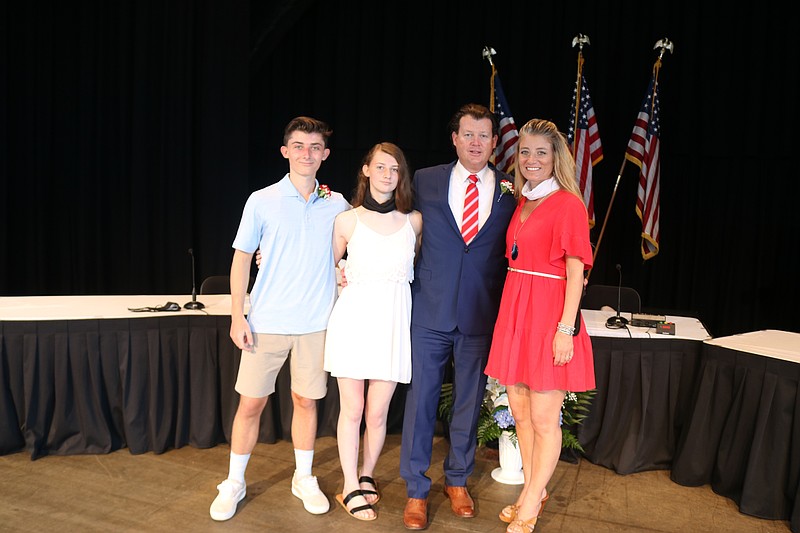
(536, 351)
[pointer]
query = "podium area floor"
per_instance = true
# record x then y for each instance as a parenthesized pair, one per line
(172, 492)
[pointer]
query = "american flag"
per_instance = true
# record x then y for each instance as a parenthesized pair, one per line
(507, 143)
(644, 150)
(589, 150)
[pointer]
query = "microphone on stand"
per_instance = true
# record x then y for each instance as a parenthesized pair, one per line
(616, 322)
(194, 304)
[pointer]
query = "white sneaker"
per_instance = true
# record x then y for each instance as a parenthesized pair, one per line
(307, 489)
(230, 494)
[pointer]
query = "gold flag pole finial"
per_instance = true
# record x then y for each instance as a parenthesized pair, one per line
(664, 44)
(488, 52)
(579, 40)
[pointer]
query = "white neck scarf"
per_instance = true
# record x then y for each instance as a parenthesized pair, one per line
(541, 190)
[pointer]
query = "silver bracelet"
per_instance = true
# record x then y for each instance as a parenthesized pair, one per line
(565, 329)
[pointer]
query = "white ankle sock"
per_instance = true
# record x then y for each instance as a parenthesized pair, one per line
(303, 460)
(238, 464)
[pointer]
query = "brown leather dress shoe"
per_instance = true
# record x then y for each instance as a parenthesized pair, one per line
(415, 515)
(460, 501)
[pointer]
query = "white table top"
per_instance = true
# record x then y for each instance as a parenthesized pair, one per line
(768, 342)
(685, 327)
(23, 308)
(27, 308)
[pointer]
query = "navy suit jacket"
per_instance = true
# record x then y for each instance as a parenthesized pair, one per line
(458, 285)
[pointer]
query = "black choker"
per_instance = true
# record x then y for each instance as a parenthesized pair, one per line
(371, 204)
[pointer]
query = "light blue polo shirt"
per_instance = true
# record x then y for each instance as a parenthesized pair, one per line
(295, 288)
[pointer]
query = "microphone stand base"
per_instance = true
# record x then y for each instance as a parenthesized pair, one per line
(194, 304)
(616, 322)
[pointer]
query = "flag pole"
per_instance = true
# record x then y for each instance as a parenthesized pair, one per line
(663, 44)
(488, 52)
(503, 155)
(605, 220)
(579, 40)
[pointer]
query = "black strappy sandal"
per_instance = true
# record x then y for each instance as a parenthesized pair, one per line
(344, 501)
(367, 479)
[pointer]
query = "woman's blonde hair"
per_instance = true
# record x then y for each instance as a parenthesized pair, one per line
(563, 162)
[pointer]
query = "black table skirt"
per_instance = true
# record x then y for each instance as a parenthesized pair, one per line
(644, 392)
(156, 383)
(743, 434)
(148, 384)
(723, 418)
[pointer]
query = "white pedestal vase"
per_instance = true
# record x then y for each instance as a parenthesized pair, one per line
(510, 470)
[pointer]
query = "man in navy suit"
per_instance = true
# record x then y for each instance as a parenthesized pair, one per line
(456, 296)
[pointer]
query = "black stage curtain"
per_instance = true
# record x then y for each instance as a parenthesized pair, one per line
(743, 430)
(125, 143)
(132, 131)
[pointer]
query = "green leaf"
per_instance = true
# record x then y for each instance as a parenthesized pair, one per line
(446, 402)
(574, 411)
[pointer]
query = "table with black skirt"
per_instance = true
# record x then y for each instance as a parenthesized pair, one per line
(645, 381)
(742, 432)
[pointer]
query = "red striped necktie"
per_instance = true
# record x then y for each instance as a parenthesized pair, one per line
(469, 222)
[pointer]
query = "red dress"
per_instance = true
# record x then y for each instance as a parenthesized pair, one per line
(531, 306)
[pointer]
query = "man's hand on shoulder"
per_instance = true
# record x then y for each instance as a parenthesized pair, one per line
(342, 278)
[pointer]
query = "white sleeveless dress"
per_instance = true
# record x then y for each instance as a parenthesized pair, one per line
(369, 331)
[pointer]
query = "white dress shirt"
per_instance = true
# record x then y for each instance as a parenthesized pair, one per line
(459, 179)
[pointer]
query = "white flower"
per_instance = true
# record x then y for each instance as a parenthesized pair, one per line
(495, 389)
(502, 400)
(506, 187)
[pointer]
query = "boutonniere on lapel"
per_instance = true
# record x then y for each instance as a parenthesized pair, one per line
(506, 187)
(324, 192)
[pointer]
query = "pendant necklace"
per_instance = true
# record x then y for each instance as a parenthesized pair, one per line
(514, 247)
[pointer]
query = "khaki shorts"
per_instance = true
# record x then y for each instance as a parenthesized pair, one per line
(258, 370)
